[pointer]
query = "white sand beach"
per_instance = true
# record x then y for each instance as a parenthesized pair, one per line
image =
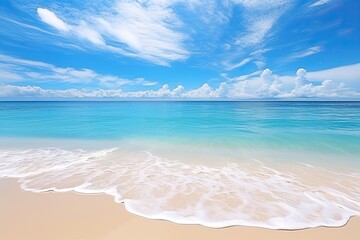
(27, 215)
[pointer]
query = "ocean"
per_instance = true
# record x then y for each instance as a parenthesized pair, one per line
(278, 165)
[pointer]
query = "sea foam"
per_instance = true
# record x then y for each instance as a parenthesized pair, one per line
(248, 194)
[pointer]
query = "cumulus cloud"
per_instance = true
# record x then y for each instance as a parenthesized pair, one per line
(222, 91)
(269, 85)
(38, 92)
(327, 89)
(267, 75)
(266, 85)
(330, 83)
(205, 91)
(300, 78)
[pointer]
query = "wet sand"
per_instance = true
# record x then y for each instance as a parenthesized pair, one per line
(68, 216)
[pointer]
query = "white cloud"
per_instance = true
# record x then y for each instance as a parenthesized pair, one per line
(300, 79)
(331, 83)
(327, 89)
(242, 77)
(16, 69)
(5, 59)
(257, 30)
(318, 3)
(20, 91)
(267, 75)
(38, 92)
(255, 57)
(222, 91)
(9, 76)
(178, 91)
(229, 66)
(258, 18)
(87, 33)
(146, 30)
(162, 32)
(308, 52)
(50, 18)
(266, 85)
(144, 82)
(205, 91)
(81, 31)
(22, 25)
(261, 4)
(256, 27)
(349, 74)
(269, 85)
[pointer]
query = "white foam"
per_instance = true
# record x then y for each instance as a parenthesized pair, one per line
(249, 194)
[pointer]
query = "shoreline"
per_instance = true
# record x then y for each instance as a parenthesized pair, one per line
(71, 215)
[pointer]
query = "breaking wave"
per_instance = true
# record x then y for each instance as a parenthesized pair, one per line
(249, 194)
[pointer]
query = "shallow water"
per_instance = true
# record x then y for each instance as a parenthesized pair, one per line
(286, 165)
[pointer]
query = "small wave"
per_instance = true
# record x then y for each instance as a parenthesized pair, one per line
(249, 194)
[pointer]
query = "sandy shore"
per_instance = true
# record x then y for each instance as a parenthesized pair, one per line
(67, 216)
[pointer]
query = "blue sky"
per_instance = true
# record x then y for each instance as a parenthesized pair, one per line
(235, 49)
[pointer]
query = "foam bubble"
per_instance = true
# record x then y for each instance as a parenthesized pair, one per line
(250, 194)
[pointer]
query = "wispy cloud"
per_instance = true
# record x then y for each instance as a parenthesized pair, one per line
(308, 52)
(257, 22)
(145, 30)
(318, 3)
(259, 17)
(157, 31)
(9, 76)
(17, 23)
(230, 66)
(257, 28)
(17, 69)
(256, 57)
(14, 28)
(348, 74)
(82, 31)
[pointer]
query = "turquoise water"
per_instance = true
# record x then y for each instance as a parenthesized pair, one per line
(278, 165)
(316, 126)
